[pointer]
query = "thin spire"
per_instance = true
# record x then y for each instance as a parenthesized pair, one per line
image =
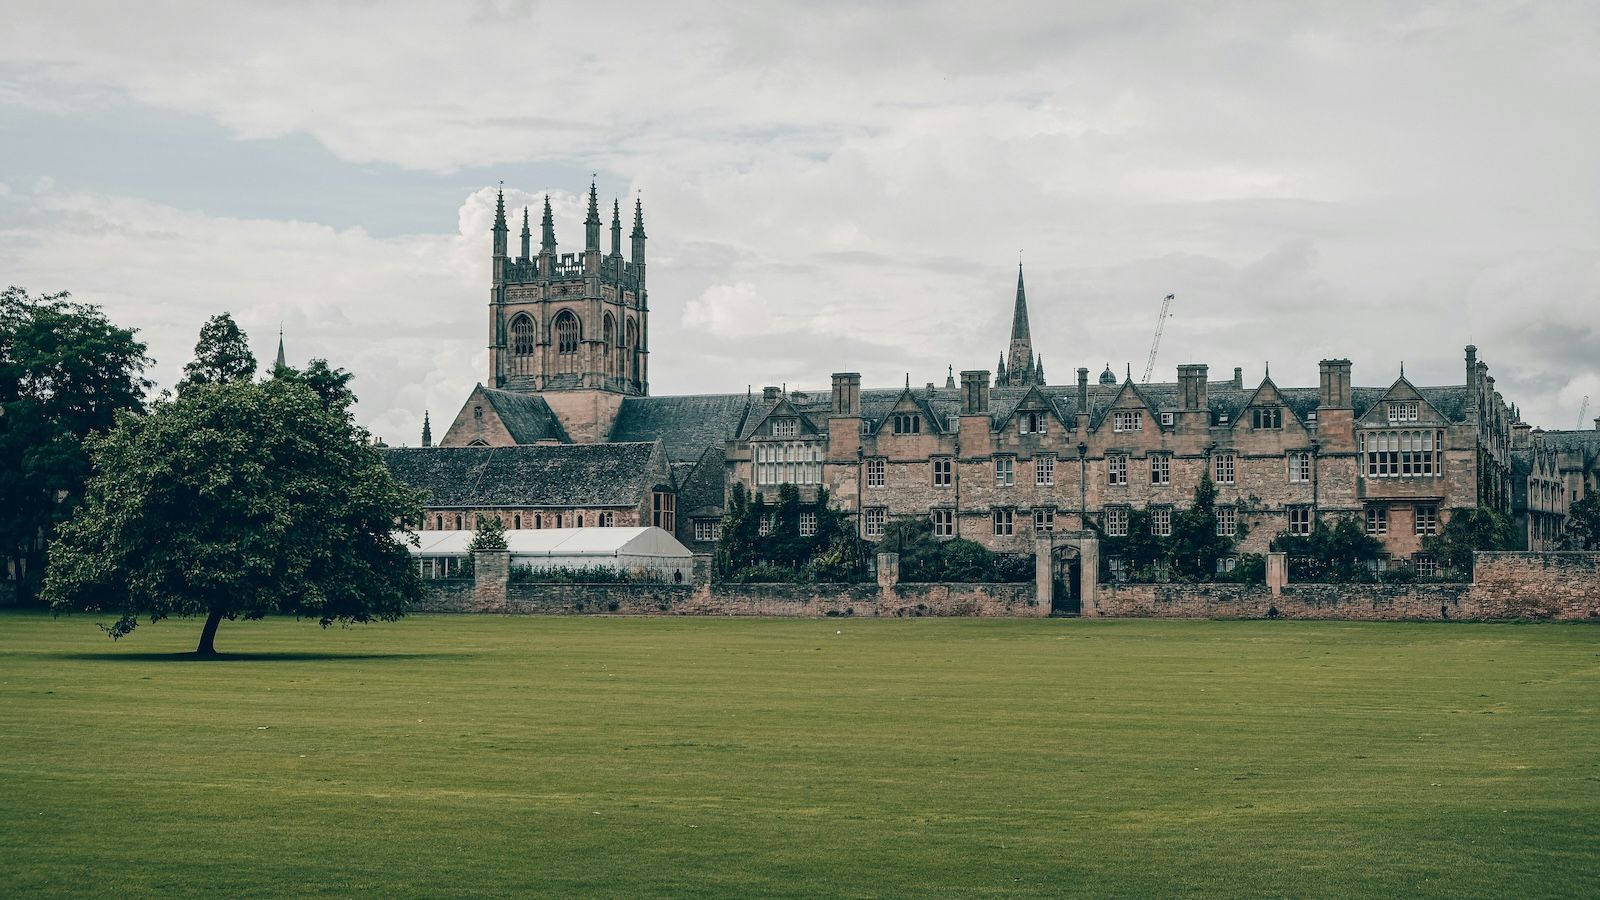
(427, 430)
(591, 222)
(527, 234)
(1019, 316)
(616, 227)
(638, 218)
(500, 208)
(280, 364)
(548, 228)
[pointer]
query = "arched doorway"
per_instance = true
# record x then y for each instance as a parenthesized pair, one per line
(1066, 570)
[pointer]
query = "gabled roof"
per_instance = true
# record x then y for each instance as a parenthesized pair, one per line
(686, 425)
(565, 475)
(527, 417)
(702, 490)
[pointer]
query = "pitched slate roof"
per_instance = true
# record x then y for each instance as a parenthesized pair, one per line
(686, 425)
(526, 416)
(702, 490)
(567, 475)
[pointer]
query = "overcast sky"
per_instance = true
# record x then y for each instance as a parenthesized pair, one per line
(843, 188)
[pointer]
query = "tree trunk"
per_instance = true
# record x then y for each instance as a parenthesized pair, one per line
(208, 635)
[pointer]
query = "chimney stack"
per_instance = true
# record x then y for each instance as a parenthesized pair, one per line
(847, 393)
(1334, 390)
(769, 393)
(1083, 391)
(1192, 387)
(974, 392)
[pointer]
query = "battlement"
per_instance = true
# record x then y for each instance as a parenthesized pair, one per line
(571, 267)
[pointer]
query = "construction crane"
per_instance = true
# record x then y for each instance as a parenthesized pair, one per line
(1583, 410)
(1161, 323)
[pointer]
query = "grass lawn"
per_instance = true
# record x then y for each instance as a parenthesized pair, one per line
(454, 756)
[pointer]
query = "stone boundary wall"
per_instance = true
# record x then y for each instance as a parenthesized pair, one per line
(1297, 601)
(1560, 586)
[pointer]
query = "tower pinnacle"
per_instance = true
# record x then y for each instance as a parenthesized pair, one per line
(527, 234)
(616, 228)
(427, 430)
(547, 239)
(280, 364)
(591, 222)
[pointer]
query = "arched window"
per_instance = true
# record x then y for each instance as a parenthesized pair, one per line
(538, 520)
(438, 523)
(580, 520)
(630, 344)
(522, 332)
(458, 522)
(568, 332)
(558, 520)
(608, 332)
(516, 521)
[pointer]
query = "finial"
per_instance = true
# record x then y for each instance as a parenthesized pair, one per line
(1402, 368)
(1130, 371)
(1266, 369)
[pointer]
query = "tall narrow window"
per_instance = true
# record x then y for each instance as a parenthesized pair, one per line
(1266, 417)
(1377, 520)
(943, 471)
(516, 521)
(1004, 521)
(1225, 465)
(944, 522)
(1161, 521)
(1299, 520)
(1300, 465)
(1044, 521)
(875, 472)
(1116, 518)
(1427, 519)
(1005, 471)
(664, 511)
(1227, 521)
(568, 333)
(875, 519)
(522, 341)
(808, 523)
(608, 336)
(1044, 470)
(1160, 469)
(907, 423)
(630, 350)
(1116, 469)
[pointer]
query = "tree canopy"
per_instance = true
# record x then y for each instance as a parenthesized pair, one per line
(1583, 523)
(1468, 530)
(221, 355)
(832, 553)
(65, 374)
(237, 500)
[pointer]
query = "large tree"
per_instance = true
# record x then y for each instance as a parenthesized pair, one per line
(65, 373)
(1583, 523)
(222, 354)
(237, 500)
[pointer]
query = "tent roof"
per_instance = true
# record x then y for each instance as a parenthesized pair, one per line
(562, 542)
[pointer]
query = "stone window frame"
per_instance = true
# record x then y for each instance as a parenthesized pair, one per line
(1117, 469)
(568, 329)
(1161, 521)
(1161, 468)
(785, 427)
(1044, 470)
(1115, 521)
(1377, 519)
(1227, 521)
(944, 521)
(1426, 519)
(874, 520)
(877, 471)
(1426, 565)
(767, 524)
(1301, 521)
(907, 423)
(1032, 422)
(705, 530)
(1299, 466)
(1168, 419)
(808, 523)
(1005, 471)
(1004, 519)
(1397, 411)
(1127, 420)
(1225, 467)
(944, 471)
(663, 511)
(1266, 418)
(1044, 519)
(608, 519)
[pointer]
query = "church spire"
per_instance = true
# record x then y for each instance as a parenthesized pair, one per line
(427, 430)
(527, 234)
(499, 230)
(591, 222)
(548, 228)
(1020, 364)
(280, 364)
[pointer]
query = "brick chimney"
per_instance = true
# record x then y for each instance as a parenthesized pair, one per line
(770, 393)
(1334, 389)
(847, 393)
(1192, 388)
(974, 392)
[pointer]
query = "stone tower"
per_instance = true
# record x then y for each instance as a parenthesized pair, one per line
(569, 321)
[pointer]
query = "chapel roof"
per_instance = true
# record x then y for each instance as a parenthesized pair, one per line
(563, 475)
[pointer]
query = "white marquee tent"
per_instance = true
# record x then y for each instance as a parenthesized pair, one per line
(632, 549)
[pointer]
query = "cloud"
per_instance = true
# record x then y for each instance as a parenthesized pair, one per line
(849, 187)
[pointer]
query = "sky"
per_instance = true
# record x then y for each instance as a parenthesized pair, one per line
(829, 187)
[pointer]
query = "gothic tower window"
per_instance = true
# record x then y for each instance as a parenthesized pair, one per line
(522, 341)
(567, 332)
(608, 335)
(631, 348)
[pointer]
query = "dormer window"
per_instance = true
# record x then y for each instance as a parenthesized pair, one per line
(785, 427)
(1404, 411)
(1127, 420)
(1167, 418)
(907, 423)
(1266, 417)
(1031, 423)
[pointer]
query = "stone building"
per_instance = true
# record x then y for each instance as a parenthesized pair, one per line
(998, 462)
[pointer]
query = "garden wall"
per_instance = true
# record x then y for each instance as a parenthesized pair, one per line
(1537, 585)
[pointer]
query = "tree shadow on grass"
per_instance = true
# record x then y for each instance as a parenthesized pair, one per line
(190, 656)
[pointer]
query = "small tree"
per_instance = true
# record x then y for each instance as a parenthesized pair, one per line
(1342, 553)
(490, 534)
(237, 500)
(1196, 546)
(1583, 523)
(221, 355)
(1469, 530)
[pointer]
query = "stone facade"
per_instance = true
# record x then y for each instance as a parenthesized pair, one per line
(1004, 462)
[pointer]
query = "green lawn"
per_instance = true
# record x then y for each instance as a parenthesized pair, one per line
(455, 756)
